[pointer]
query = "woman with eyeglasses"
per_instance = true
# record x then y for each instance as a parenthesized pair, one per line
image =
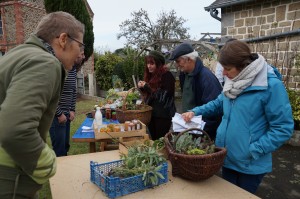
(31, 80)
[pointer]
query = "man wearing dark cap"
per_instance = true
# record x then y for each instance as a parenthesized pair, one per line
(198, 84)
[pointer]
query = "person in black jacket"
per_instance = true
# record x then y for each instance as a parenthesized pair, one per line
(198, 84)
(158, 89)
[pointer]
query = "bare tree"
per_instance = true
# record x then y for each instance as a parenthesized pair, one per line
(141, 30)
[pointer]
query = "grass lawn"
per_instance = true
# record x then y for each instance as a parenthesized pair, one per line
(82, 107)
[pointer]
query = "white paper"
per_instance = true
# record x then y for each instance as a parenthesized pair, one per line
(88, 130)
(180, 125)
(86, 127)
(138, 102)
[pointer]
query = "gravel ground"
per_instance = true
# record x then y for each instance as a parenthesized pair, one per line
(284, 181)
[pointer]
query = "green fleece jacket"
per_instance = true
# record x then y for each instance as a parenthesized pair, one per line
(31, 80)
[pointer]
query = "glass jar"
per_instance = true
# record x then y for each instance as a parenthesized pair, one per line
(126, 125)
(108, 113)
(114, 115)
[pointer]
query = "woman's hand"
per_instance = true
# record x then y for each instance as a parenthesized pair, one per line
(188, 116)
(141, 84)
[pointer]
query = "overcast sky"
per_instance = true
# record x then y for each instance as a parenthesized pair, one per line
(109, 14)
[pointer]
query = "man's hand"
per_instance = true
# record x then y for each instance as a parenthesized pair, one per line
(72, 115)
(62, 119)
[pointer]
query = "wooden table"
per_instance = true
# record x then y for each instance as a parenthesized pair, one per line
(89, 137)
(103, 139)
(72, 180)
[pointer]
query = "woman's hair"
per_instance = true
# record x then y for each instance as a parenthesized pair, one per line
(236, 53)
(55, 23)
(154, 79)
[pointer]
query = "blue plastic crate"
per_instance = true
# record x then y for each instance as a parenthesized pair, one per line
(115, 186)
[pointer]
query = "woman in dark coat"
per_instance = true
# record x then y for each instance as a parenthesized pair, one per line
(158, 89)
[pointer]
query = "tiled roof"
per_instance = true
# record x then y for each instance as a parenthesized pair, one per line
(225, 3)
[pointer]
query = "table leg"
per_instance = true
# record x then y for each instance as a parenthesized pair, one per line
(92, 147)
(103, 145)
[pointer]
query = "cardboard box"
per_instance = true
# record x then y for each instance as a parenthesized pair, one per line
(123, 149)
(131, 141)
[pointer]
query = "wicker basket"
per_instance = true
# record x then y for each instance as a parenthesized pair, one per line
(143, 114)
(194, 167)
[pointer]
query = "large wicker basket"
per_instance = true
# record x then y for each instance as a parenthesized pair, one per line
(194, 167)
(143, 114)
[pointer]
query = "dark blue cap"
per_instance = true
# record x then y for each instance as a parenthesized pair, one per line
(182, 49)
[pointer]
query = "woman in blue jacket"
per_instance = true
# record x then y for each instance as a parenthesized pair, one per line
(257, 116)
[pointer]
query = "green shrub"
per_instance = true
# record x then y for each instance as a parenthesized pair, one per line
(104, 67)
(294, 97)
(130, 65)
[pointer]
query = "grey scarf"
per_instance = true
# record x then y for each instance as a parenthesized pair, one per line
(233, 87)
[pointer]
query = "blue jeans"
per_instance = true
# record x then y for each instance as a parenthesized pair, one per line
(246, 181)
(60, 137)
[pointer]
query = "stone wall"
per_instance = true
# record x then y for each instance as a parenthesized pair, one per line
(264, 18)
(9, 21)
(20, 19)
(88, 67)
(31, 17)
(35, 3)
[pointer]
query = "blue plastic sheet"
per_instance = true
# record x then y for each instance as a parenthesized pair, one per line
(89, 122)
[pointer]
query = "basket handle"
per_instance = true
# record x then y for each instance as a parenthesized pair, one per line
(191, 129)
(124, 99)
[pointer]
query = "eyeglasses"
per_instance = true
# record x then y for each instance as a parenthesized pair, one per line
(82, 44)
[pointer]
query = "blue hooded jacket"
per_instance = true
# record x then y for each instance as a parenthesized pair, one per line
(253, 125)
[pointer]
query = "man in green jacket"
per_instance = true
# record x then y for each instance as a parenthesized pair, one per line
(31, 80)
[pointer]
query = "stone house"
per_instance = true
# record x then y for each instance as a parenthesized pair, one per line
(271, 27)
(18, 19)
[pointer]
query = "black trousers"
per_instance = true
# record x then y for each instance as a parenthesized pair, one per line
(159, 127)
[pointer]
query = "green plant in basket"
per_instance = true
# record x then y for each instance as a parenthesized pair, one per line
(159, 143)
(187, 144)
(131, 100)
(141, 159)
